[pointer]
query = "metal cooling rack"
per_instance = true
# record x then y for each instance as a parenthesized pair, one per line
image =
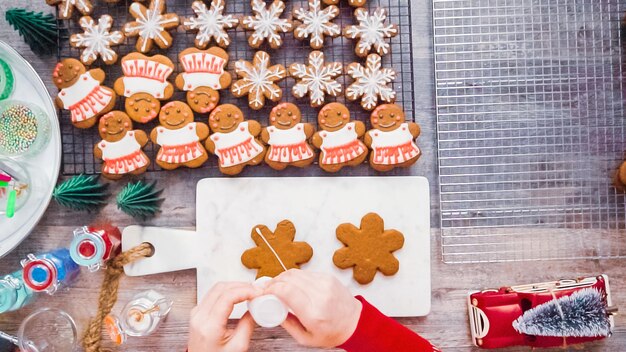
(530, 117)
(78, 144)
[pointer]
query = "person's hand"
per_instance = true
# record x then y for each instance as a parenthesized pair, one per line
(326, 314)
(208, 329)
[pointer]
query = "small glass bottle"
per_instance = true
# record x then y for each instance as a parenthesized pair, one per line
(48, 271)
(14, 294)
(141, 316)
(92, 246)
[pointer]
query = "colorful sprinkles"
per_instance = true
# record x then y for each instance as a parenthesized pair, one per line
(18, 129)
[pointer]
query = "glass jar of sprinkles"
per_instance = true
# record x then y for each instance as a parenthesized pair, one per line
(24, 128)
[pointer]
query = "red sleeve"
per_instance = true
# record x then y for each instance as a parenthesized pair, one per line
(377, 332)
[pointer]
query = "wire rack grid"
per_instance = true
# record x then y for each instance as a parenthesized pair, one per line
(78, 144)
(530, 119)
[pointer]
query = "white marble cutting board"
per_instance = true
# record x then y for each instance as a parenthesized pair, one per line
(228, 208)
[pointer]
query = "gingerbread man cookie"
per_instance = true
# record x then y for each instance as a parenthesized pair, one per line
(368, 248)
(151, 25)
(204, 74)
(97, 40)
(179, 137)
(66, 7)
(121, 147)
(287, 138)
(619, 181)
(316, 23)
(392, 140)
(266, 24)
(210, 23)
(234, 141)
(258, 80)
(353, 3)
(371, 82)
(339, 138)
(316, 79)
(144, 84)
(371, 32)
(81, 92)
(276, 251)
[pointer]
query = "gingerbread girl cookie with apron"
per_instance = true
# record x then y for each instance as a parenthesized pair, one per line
(81, 92)
(121, 147)
(234, 140)
(392, 140)
(179, 137)
(339, 138)
(287, 137)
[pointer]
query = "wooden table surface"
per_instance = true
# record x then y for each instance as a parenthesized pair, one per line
(446, 325)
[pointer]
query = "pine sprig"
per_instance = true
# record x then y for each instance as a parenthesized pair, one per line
(82, 192)
(140, 199)
(39, 30)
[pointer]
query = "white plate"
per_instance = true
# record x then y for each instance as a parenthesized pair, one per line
(43, 167)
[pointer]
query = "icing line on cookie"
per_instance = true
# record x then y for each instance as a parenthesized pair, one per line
(270, 247)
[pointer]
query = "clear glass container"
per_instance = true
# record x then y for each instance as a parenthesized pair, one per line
(24, 128)
(16, 191)
(14, 294)
(48, 330)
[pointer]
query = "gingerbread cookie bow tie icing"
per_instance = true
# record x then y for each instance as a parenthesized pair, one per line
(97, 40)
(81, 92)
(144, 83)
(287, 138)
(316, 79)
(151, 25)
(266, 23)
(210, 23)
(276, 251)
(371, 82)
(316, 23)
(66, 7)
(121, 147)
(258, 80)
(392, 140)
(371, 32)
(368, 248)
(204, 74)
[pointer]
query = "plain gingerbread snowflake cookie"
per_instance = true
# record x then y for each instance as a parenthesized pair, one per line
(371, 82)
(151, 25)
(316, 23)
(210, 23)
(266, 24)
(371, 32)
(258, 80)
(316, 79)
(97, 40)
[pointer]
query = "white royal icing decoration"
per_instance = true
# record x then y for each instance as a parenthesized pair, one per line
(182, 136)
(122, 148)
(152, 24)
(258, 79)
(134, 85)
(211, 23)
(343, 136)
(316, 23)
(72, 95)
(342, 145)
(371, 82)
(266, 22)
(317, 79)
(292, 141)
(145, 76)
(371, 31)
(83, 6)
(85, 98)
(97, 39)
(399, 140)
(236, 147)
(202, 70)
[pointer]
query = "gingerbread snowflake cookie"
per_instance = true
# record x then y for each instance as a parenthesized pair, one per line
(392, 140)
(234, 140)
(371, 82)
(353, 3)
(316, 79)
(258, 80)
(287, 138)
(210, 23)
(266, 23)
(151, 25)
(316, 23)
(371, 32)
(81, 92)
(368, 248)
(144, 84)
(339, 139)
(97, 40)
(204, 73)
(66, 7)
(276, 251)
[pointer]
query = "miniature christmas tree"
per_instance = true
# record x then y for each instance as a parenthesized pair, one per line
(39, 30)
(81, 192)
(140, 199)
(581, 314)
